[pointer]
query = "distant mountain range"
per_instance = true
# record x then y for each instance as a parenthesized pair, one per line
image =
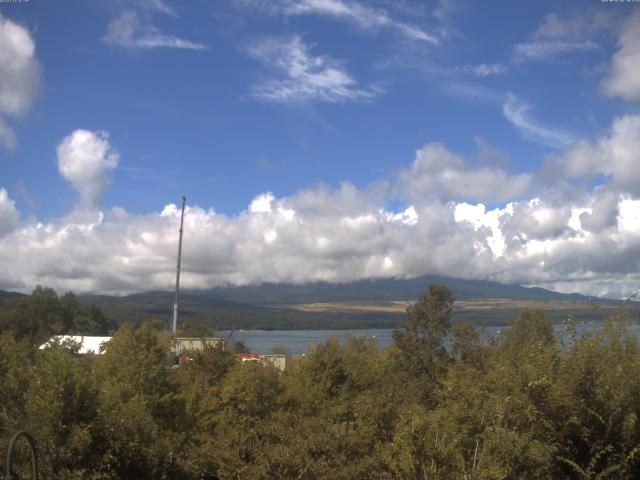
(382, 289)
(378, 303)
(4, 295)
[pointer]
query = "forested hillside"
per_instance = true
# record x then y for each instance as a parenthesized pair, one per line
(526, 405)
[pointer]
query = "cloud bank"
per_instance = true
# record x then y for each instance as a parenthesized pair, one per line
(457, 218)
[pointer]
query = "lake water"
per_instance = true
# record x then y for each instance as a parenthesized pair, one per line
(298, 342)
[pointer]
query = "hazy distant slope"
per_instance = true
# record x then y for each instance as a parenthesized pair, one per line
(159, 304)
(381, 289)
(7, 295)
(268, 306)
(221, 313)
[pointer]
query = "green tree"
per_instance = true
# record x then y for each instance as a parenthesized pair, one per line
(249, 396)
(466, 345)
(36, 317)
(90, 320)
(142, 417)
(420, 340)
(60, 407)
(531, 326)
(42, 314)
(17, 359)
(593, 405)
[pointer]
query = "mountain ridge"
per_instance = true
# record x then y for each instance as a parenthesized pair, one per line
(387, 289)
(392, 288)
(286, 306)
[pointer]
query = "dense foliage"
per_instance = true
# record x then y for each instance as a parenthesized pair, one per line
(439, 403)
(43, 313)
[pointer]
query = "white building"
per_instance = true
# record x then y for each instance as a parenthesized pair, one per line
(87, 344)
(281, 362)
(192, 344)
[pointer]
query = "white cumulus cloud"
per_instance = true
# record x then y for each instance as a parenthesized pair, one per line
(281, 239)
(438, 173)
(616, 156)
(7, 136)
(19, 76)
(85, 159)
(9, 215)
(623, 80)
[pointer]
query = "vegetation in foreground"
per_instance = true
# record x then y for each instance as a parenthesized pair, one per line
(527, 405)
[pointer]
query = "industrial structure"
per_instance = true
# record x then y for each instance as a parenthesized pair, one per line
(174, 323)
(183, 345)
(281, 362)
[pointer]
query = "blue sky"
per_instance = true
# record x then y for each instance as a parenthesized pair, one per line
(509, 120)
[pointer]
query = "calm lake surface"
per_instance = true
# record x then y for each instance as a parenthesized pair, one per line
(299, 341)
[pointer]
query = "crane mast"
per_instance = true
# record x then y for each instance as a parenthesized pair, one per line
(174, 325)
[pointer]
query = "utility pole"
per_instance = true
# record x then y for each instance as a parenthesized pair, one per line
(174, 325)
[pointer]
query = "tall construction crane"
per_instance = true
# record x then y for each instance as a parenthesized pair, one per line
(174, 325)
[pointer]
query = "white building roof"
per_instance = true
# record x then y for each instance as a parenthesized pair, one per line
(88, 344)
